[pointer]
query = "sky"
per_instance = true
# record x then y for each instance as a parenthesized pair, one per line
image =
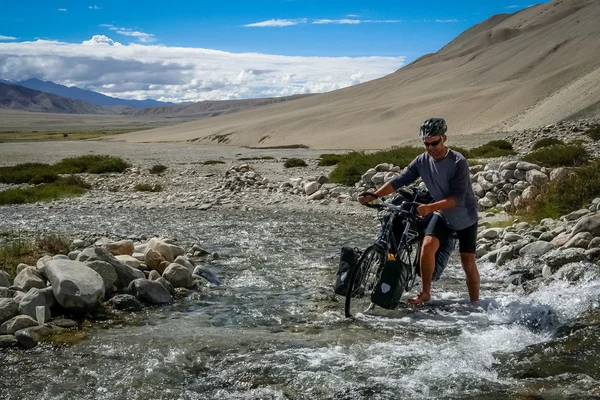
(193, 50)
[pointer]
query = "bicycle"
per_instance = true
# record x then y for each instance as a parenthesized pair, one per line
(367, 272)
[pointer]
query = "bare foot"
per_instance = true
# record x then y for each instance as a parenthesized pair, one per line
(420, 299)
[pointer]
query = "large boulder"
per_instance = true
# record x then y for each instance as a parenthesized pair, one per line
(76, 287)
(16, 324)
(150, 291)
(37, 298)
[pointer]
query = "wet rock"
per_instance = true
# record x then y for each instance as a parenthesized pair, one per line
(152, 292)
(178, 276)
(64, 323)
(573, 272)
(536, 249)
(16, 324)
(555, 259)
(8, 341)
(183, 260)
(30, 337)
(126, 302)
(167, 285)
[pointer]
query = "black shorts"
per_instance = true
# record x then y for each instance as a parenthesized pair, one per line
(467, 238)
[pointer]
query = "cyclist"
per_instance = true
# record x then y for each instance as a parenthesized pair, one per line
(445, 172)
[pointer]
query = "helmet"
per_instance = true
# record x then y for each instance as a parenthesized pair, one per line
(433, 127)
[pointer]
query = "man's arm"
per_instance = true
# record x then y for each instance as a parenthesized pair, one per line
(409, 175)
(458, 188)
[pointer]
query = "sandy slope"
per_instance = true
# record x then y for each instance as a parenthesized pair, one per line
(537, 66)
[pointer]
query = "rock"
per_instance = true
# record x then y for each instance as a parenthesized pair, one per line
(490, 233)
(4, 281)
(546, 236)
(555, 259)
(178, 275)
(573, 272)
(106, 271)
(30, 278)
(594, 243)
(153, 259)
(37, 298)
(167, 285)
(64, 323)
(589, 223)
(8, 341)
(575, 215)
(504, 255)
(76, 287)
(126, 302)
(153, 275)
(129, 261)
(581, 240)
(536, 178)
(527, 166)
(78, 243)
(163, 248)
(561, 239)
(30, 337)
(536, 249)
(310, 188)
(73, 254)
(183, 260)
(122, 247)
(6, 293)
(530, 193)
(16, 324)
(8, 309)
(512, 237)
(207, 274)
(152, 292)
(546, 271)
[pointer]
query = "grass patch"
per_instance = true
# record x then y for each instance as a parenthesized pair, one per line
(64, 187)
(65, 338)
(354, 164)
(569, 193)
(212, 162)
(145, 187)
(256, 158)
(559, 155)
(158, 169)
(32, 173)
(328, 159)
(65, 135)
(495, 148)
(294, 162)
(92, 164)
(546, 142)
(20, 250)
(594, 132)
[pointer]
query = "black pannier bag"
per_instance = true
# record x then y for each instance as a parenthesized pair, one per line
(348, 260)
(391, 284)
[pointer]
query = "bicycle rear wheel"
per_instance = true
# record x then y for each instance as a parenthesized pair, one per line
(409, 255)
(363, 280)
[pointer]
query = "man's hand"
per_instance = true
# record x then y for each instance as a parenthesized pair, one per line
(425, 209)
(366, 197)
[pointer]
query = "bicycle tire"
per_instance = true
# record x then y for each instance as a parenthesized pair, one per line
(363, 280)
(409, 255)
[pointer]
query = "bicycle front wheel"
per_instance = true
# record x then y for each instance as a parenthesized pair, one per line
(363, 280)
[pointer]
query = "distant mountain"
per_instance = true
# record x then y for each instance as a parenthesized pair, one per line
(17, 97)
(86, 95)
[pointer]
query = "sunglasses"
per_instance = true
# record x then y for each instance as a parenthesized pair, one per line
(432, 144)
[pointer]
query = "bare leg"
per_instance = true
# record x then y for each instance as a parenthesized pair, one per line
(430, 246)
(472, 274)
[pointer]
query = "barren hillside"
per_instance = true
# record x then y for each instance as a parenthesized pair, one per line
(534, 67)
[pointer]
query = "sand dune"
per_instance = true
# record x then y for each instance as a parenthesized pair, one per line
(515, 71)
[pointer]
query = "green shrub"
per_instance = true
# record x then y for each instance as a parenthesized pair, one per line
(211, 162)
(465, 152)
(559, 155)
(546, 142)
(501, 144)
(326, 160)
(62, 188)
(569, 193)
(490, 150)
(594, 132)
(354, 164)
(20, 250)
(158, 169)
(294, 162)
(144, 187)
(93, 164)
(32, 173)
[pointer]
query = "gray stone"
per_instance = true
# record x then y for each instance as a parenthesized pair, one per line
(6, 293)
(555, 259)
(536, 178)
(106, 271)
(527, 166)
(504, 255)
(167, 285)
(546, 236)
(16, 324)
(30, 337)
(575, 271)
(178, 275)
(126, 302)
(536, 249)
(4, 282)
(8, 309)
(512, 237)
(183, 260)
(575, 215)
(125, 274)
(73, 254)
(129, 261)
(122, 247)
(152, 292)
(581, 240)
(30, 278)
(153, 275)
(37, 298)
(594, 243)
(8, 341)
(76, 287)
(589, 223)
(490, 233)
(64, 323)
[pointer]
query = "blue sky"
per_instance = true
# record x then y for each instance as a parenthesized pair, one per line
(292, 37)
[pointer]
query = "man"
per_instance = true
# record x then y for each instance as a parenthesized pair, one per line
(446, 174)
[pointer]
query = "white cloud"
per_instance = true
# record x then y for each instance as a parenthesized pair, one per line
(62, 9)
(139, 71)
(141, 36)
(446, 21)
(356, 21)
(7, 37)
(95, 8)
(513, 6)
(276, 23)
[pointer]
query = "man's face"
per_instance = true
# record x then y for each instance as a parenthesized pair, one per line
(435, 146)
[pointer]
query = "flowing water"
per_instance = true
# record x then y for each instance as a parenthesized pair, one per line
(274, 330)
